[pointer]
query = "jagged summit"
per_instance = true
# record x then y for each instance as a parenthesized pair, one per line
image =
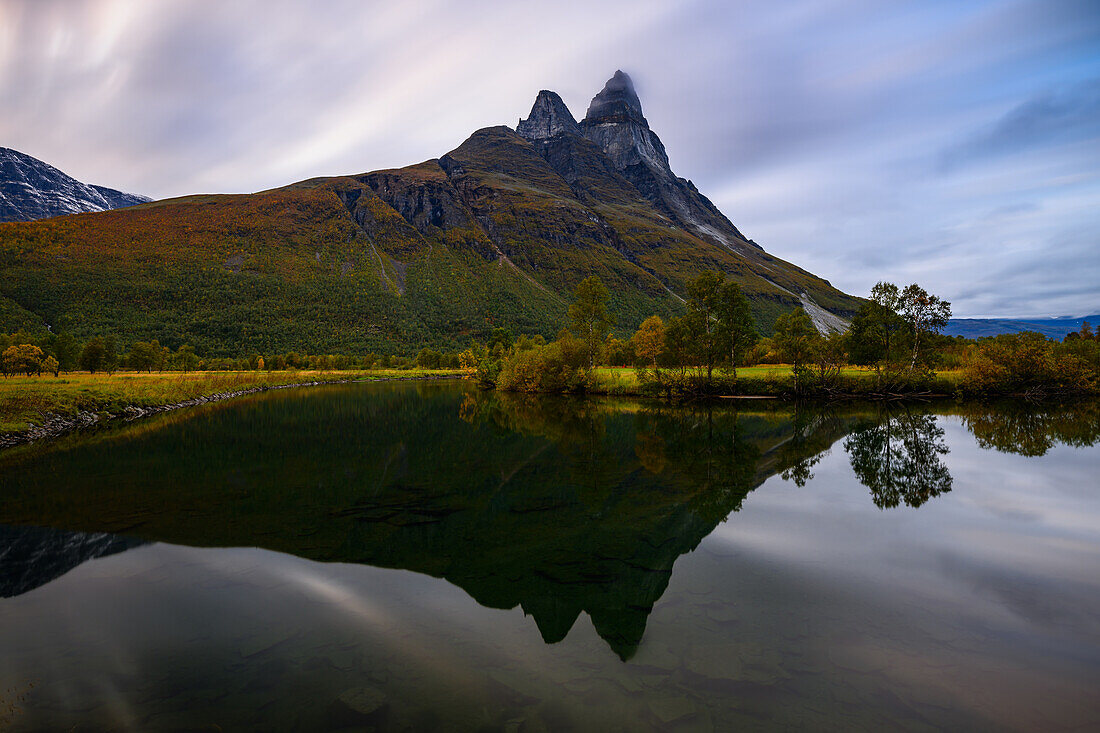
(617, 102)
(615, 123)
(549, 117)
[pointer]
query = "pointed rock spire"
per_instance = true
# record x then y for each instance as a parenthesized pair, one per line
(617, 102)
(549, 117)
(615, 123)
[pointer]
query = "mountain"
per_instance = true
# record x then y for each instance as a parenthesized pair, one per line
(31, 189)
(497, 232)
(1055, 328)
(33, 556)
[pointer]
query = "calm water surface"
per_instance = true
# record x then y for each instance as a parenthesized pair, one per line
(424, 556)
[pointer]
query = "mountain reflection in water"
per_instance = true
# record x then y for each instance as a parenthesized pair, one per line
(558, 506)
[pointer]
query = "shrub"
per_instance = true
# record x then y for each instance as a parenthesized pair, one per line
(549, 368)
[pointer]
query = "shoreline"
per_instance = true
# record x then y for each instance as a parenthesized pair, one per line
(55, 425)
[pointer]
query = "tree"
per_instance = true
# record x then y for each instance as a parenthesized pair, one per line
(589, 316)
(143, 356)
(678, 343)
(736, 316)
(22, 359)
(924, 313)
(649, 339)
(502, 338)
(719, 320)
(93, 358)
(428, 359)
(67, 351)
(110, 354)
(619, 352)
(184, 359)
(51, 365)
(828, 353)
(795, 337)
(873, 338)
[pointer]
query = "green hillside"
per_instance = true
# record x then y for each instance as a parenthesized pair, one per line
(496, 233)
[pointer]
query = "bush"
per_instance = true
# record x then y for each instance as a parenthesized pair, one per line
(549, 368)
(1028, 362)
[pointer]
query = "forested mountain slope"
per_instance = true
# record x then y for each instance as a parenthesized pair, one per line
(495, 233)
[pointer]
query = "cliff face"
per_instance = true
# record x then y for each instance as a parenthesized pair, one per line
(616, 124)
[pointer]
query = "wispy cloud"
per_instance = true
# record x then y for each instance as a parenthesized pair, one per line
(1052, 118)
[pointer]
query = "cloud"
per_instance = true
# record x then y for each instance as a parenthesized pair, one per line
(1051, 118)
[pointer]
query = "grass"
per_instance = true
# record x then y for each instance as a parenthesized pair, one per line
(24, 400)
(760, 379)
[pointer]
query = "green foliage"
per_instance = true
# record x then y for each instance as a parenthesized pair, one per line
(556, 367)
(875, 336)
(719, 322)
(428, 359)
(795, 336)
(67, 351)
(892, 329)
(146, 356)
(93, 357)
(716, 331)
(186, 361)
(589, 315)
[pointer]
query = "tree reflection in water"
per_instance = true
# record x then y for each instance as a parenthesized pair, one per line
(1033, 429)
(898, 457)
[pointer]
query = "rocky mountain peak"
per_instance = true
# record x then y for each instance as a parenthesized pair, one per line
(616, 102)
(615, 123)
(549, 117)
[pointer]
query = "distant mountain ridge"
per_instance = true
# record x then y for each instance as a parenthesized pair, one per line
(1055, 328)
(31, 189)
(495, 233)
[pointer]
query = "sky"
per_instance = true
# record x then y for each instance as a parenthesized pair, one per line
(953, 144)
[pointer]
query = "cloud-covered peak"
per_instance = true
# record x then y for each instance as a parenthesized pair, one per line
(617, 102)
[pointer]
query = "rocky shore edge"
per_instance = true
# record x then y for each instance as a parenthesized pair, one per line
(54, 425)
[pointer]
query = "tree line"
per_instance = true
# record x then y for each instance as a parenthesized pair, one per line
(895, 339)
(38, 354)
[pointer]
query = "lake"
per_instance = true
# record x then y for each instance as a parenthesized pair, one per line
(419, 556)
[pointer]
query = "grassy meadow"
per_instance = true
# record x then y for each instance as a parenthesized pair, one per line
(23, 400)
(763, 379)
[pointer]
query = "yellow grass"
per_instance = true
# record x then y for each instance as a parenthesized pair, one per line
(23, 400)
(623, 380)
